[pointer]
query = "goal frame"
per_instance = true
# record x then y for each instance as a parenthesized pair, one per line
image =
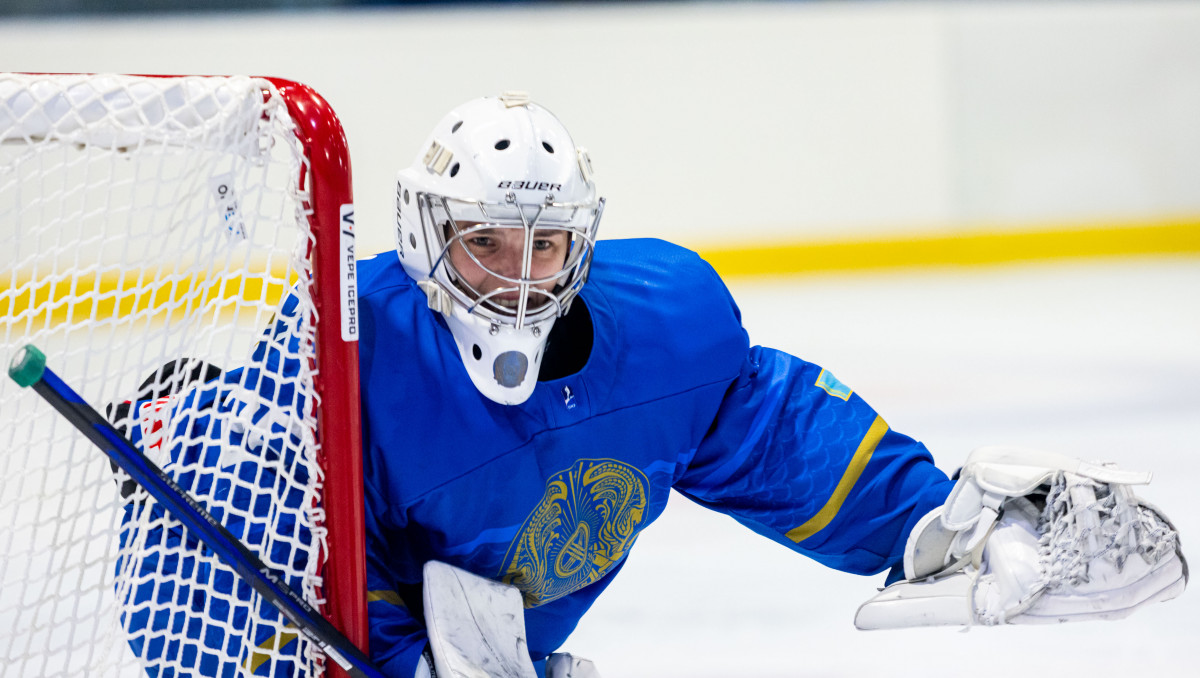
(334, 294)
(339, 420)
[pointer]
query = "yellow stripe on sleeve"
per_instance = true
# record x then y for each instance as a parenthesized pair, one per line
(262, 653)
(385, 597)
(854, 469)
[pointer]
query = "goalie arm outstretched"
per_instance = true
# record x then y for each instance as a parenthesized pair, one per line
(798, 457)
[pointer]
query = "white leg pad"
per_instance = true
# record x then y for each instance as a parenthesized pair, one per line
(476, 626)
(566, 665)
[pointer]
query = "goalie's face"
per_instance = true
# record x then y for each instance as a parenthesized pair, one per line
(496, 223)
(510, 269)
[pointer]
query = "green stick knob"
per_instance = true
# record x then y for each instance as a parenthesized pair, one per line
(27, 366)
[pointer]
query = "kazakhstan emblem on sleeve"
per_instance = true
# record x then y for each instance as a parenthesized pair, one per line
(586, 522)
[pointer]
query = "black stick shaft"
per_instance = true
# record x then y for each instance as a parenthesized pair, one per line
(188, 511)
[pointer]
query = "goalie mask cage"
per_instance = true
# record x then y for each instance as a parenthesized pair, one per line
(145, 220)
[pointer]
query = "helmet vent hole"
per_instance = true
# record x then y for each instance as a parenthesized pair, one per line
(412, 240)
(454, 169)
(406, 196)
(456, 126)
(475, 351)
(502, 144)
(546, 145)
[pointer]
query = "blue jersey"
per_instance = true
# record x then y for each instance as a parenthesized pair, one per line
(550, 495)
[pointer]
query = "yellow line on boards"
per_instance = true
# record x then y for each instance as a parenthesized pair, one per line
(968, 248)
(167, 291)
(155, 294)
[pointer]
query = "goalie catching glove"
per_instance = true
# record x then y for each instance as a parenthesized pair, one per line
(1032, 537)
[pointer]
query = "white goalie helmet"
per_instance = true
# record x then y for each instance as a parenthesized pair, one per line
(496, 221)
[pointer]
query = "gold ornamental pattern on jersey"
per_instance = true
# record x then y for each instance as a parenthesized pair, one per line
(585, 524)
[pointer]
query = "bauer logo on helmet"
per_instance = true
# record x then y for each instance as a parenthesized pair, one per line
(530, 185)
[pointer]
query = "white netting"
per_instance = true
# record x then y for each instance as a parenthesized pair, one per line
(144, 220)
(1089, 528)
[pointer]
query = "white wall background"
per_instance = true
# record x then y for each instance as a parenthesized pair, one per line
(711, 123)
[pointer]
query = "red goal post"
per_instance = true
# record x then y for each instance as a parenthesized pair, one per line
(339, 418)
(149, 218)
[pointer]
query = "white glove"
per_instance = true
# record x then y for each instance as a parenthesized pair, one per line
(1029, 537)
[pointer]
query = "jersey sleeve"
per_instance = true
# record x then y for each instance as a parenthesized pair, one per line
(797, 456)
(397, 634)
(229, 443)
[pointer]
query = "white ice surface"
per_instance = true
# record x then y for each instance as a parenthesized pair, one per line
(1096, 359)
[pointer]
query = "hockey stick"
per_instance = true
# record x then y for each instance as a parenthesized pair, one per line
(28, 368)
